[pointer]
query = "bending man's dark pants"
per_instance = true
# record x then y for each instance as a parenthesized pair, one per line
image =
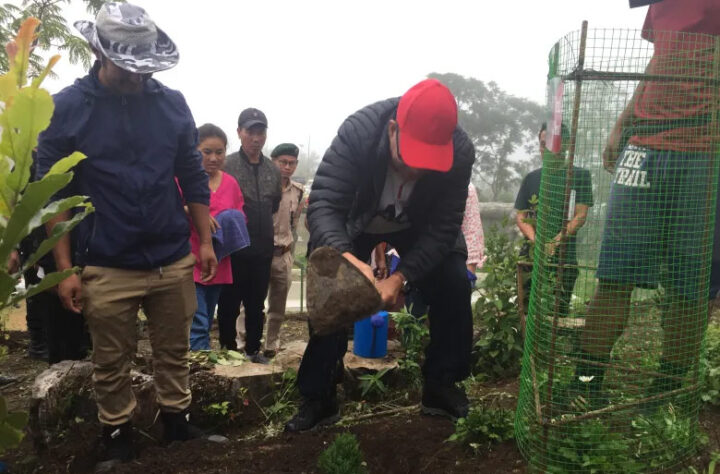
(446, 290)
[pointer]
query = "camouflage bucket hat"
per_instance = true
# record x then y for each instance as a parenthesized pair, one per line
(127, 36)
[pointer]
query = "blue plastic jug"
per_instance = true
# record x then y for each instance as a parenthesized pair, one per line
(370, 336)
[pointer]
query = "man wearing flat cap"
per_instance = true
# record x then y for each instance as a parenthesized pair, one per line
(139, 137)
(260, 183)
(397, 172)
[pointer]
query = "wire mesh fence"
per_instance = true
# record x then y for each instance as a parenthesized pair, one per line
(621, 260)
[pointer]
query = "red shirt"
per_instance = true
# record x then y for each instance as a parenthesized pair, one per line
(679, 54)
(227, 196)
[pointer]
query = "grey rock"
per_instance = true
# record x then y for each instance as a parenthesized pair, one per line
(338, 294)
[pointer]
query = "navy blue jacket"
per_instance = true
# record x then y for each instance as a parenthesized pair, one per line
(136, 145)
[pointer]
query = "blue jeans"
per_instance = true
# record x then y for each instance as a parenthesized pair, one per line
(207, 299)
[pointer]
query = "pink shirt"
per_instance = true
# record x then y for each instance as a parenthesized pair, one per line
(227, 196)
(472, 229)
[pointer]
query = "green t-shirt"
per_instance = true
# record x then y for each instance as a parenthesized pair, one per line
(549, 211)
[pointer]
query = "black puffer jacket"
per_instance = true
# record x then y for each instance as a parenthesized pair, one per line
(261, 186)
(350, 179)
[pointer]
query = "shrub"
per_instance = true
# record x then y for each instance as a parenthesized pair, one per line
(343, 456)
(499, 348)
(484, 426)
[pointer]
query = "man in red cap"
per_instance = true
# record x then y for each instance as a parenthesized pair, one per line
(397, 172)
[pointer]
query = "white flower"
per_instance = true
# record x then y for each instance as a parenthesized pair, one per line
(586, 379)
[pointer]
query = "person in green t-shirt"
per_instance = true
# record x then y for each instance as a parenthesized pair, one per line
(526, 202)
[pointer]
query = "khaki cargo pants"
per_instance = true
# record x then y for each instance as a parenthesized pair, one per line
(111, 300)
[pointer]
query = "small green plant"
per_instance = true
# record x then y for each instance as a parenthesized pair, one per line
(484, 426)
(414, 334)
(710, 364)
(664, 437)
(343, 456)
(372, 384)
(285, 398)
(220, 409)
(499, 348)
(591, 447)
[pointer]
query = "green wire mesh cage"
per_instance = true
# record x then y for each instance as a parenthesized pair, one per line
(621, 261)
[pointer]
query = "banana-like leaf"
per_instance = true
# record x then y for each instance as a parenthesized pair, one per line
(33, 199)
(7, 286)
(17, 419)
(38, 80)
(24, 43)
(22, 122)
(55, 208)
(66, 164)
(50, 280)
(9, 436)
(59, 230)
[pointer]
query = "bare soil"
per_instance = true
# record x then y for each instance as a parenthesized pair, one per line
(404, 443)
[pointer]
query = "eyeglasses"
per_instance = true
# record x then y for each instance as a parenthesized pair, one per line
(287, 164)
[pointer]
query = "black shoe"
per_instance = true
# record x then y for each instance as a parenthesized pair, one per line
(258, 358)
(118, 442)
(178, 428)
(8, 379)
(448, 401)
(270, 353)
(314, 413)
(36, 353)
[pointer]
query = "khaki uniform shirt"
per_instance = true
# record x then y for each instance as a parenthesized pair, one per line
(285, 220)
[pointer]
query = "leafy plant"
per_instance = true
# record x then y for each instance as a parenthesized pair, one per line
(710, 365)
(372, 384)
(499, 348)
(483, 426)
(23, 205)
(664, 437)
(591, 447)
(221, 357)
(414, 334)
(285, 398)
(220, 409)
(343, 456)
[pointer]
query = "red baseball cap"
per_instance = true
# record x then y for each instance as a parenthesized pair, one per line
(427, 117)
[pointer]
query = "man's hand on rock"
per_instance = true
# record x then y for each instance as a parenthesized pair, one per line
(390, 288)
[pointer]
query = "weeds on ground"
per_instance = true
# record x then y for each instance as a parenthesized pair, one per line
(221, 357)
(343, 456)
(372, 384)
(284, 403)
(484, 426)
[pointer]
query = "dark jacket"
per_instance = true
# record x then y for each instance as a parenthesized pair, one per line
(136, 145)
(350, 179)
(261, 185)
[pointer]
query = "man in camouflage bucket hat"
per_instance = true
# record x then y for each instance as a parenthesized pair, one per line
(125, 34)
(140, 139)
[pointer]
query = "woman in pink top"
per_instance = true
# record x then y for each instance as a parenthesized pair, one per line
(224, 194)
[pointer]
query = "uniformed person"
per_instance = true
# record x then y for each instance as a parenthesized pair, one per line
(285, 220)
